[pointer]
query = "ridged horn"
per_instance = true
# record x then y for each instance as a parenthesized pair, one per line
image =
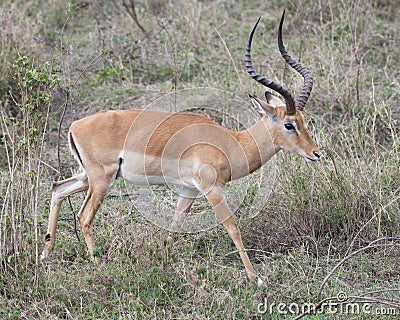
(289, 99)
(306, 74)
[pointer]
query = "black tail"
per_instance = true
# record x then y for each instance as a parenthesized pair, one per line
(75, 151)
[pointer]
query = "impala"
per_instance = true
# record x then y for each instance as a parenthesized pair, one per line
(185, 149)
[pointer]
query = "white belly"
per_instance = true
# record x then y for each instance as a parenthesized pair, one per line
(139, 179)
(141, 170)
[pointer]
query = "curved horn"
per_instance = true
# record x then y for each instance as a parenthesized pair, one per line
(289, 99)
(308, 80)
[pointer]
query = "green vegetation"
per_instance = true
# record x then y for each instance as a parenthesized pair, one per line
(61, 61)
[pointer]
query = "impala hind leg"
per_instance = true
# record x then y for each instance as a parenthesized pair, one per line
(86, 215)
(217, 200)
(100, 181)
(185, 201)
(61, 190)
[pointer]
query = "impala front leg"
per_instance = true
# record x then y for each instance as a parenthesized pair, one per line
(221, 209)
(185, 201)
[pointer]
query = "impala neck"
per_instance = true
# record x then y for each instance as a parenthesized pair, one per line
(257, 143)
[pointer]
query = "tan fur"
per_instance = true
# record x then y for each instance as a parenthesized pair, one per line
(145, 146)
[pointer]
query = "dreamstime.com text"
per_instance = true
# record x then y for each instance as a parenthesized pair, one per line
(341, 305)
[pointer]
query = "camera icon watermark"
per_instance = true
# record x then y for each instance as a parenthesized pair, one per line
(245, 196)
(341, 304)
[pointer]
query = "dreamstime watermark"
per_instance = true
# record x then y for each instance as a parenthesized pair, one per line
(155, 195)
(339, 305)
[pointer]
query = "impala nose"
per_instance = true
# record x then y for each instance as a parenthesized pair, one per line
(316, 154)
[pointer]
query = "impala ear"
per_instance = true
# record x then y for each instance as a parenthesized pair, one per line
(273, 100)
(263, 108)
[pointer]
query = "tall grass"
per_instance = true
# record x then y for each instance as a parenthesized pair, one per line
(353, 194)
(23, 132)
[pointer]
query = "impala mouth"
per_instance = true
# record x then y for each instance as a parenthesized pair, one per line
(315, 158)
(310, 159)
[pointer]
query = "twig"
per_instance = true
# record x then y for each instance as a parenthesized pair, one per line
(349, 300)
(174, 58)
(378, 291)
(131, 9)
(372, 245)
(67, 102)
(358, 298)
(92, 62)
(229, 53)
(67, 99)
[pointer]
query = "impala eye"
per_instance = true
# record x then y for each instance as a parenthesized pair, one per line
(289, 126)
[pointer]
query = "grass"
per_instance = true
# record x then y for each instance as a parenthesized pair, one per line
(315, 214)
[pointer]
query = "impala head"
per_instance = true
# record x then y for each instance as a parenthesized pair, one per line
(285, 119)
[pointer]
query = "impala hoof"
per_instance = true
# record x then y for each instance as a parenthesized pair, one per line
(170, 240)
(44, 256)
(96, 260)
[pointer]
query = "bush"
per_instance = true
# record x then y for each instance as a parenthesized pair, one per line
(24, 122)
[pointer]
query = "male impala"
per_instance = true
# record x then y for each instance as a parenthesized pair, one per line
(186, 149)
